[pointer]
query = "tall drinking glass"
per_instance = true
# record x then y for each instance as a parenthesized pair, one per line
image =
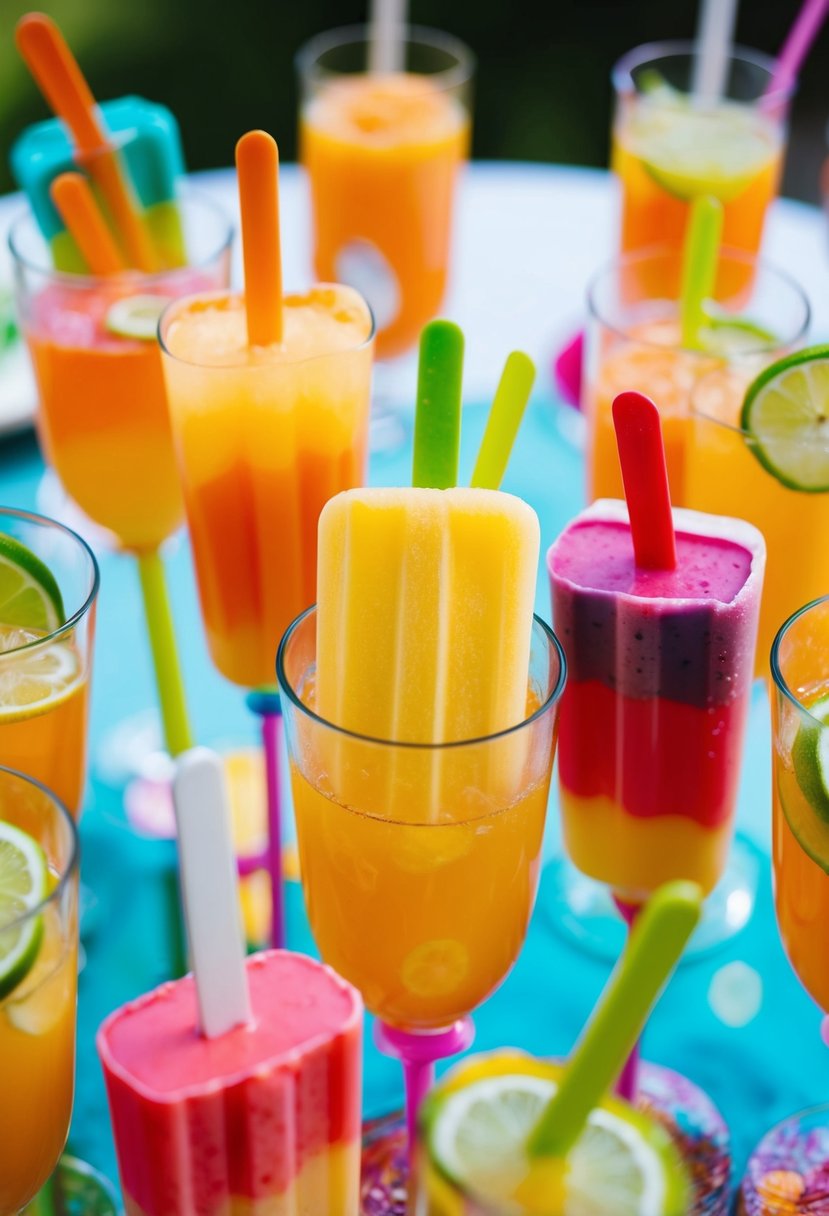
(103, 419)
(45, 674)
(634, 341)
(420, 861)
(383, 147)
(672, 145)
(37, 1000)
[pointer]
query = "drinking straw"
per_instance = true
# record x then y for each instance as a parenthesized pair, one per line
(798, 44)
(257, 166)
(651, 955)
(386, 26)
(209, 891)
(177, 734)
(72, 195)
(505, 416)
(700, 252)
(645, 477)
(60, 79)
(438, 413)
(715, 33)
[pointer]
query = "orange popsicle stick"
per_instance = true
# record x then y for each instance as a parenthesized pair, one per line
(73, 197)
(62, 83)
(257, 166)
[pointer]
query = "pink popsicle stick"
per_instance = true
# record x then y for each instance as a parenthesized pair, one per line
(645, 477)
(798, 44)
(418, 1053)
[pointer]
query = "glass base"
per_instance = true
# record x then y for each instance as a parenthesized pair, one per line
(583, 910)
(688, 1114)
(75, 1189)
(788, 1172)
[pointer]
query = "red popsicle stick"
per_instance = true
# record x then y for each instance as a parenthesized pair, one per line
(642, 457)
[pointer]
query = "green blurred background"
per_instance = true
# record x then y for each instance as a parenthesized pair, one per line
(542, 92)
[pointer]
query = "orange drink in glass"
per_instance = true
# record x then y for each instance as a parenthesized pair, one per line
(670, 147)
(383, 152)
(634, 342)
(38, 985)
(46, 663)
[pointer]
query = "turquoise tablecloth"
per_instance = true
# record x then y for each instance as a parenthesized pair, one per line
(756, 1072)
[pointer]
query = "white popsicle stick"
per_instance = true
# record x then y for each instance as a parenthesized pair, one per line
(209, 888)
(715, 34)
(386, 21)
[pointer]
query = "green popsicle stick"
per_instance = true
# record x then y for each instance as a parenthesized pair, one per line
(438, 414)
(653, 950)
(508, 407)
(700, 251)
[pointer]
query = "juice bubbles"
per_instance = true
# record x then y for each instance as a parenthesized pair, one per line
(383, 154)
(37, 1016)
(670, 147)
(265, 436)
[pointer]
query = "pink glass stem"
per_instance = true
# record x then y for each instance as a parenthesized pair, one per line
(418, 1053)
(265, 703)
(798, 44)
(824, 1031)
(627, 1086)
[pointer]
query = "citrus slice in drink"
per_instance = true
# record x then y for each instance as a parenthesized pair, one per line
(136, 317)
(29, 594)
(34, 680)
(727, 335)
(786, 413)
(476, 1129)
(23, 885)
(808, 817)
(435, 968)
(46, 994)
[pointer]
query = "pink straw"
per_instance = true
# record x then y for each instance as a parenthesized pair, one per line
(798, 44)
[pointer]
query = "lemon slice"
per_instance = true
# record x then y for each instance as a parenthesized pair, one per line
(435, 968)
(786, 412)
(35, 680)
(23, 884)
(136, 317)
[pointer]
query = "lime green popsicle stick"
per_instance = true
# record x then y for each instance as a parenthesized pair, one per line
(700, 251)
(177, 734)
(438, 415)
(653, 950)
(508, 407)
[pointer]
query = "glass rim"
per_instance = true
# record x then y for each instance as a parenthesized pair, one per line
(725, 369)
(783, 685)
(166, 319)
(666, 253)
(549, 701)
(306, 59)
(621, 74)
(74, 850)
(81, 282)
(77, 616)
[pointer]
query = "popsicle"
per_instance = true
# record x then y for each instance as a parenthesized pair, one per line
(660, 663)
(235, 1089)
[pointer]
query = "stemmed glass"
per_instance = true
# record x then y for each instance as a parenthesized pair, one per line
(420, 861)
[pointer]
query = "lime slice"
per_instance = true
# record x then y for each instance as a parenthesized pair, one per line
(46, 995)
(136, 317)
(728, 335)
(35, 681)
(23, 885)
(623, 1162)
(786, 411)
(29, 595)
(810, 758)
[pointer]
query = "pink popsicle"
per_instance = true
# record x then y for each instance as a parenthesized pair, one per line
(262, 1119)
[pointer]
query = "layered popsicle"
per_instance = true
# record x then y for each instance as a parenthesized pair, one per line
(263, 1119)
(660, 666)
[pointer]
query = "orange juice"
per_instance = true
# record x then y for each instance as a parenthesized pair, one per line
(265, 436)
(383, 154)
(37, 1062)
(723, 476)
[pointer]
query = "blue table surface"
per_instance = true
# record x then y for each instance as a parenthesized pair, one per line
(757, 1052)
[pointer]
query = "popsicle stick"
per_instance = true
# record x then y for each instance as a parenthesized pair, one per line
(645, 477)
(700, 252)
(60, 79)
(257, 166)
(386, 25)
(73, 197)
(653, 951)
(715, 34)
(438, 413)
(209, 890)
(177, 733)
(798, 44)
(505, 416)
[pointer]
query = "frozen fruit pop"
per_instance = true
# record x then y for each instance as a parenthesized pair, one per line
(660, 664)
